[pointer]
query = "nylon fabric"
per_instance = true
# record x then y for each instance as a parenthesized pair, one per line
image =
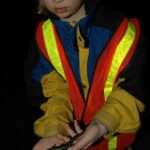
(120, 54)
(74, 92)
(112, 143)
(51, 46)
(96, 94)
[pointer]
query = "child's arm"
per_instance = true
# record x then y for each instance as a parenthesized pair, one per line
(47, 90)
(57, 109)
(121, 112)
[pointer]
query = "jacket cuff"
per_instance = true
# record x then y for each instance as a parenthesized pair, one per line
(53, 130)
(107, 120)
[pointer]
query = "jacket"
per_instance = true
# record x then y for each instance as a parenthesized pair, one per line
(45, 81)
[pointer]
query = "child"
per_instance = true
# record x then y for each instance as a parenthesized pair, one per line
(85, 67)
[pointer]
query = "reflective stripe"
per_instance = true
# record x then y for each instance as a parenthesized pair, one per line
(51, 46)
(112, 143)
(120, 53)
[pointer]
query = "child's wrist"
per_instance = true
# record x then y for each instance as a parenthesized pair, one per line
(102, 128)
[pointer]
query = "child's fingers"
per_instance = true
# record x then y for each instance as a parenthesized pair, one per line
(70, 131)
(65, 138)
(77, 127)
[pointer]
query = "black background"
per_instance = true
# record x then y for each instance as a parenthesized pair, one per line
(20, 23)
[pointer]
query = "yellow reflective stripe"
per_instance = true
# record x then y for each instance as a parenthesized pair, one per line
(120, 53)
(112, 143)
(51, 46)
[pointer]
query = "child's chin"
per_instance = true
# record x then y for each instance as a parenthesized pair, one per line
(64, 15)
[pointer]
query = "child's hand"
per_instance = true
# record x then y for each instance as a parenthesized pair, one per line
(59, 139)
(93, 132)
(49, 142)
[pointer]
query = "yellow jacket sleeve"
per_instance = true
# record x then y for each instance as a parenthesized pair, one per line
(120, 113)
(57, 110)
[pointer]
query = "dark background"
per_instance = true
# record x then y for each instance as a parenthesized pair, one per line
(18, 114)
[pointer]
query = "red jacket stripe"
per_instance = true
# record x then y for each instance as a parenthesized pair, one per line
(75, 95)
(40, 41)
(96, 97)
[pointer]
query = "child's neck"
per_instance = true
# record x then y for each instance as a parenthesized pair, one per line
(77, 16)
